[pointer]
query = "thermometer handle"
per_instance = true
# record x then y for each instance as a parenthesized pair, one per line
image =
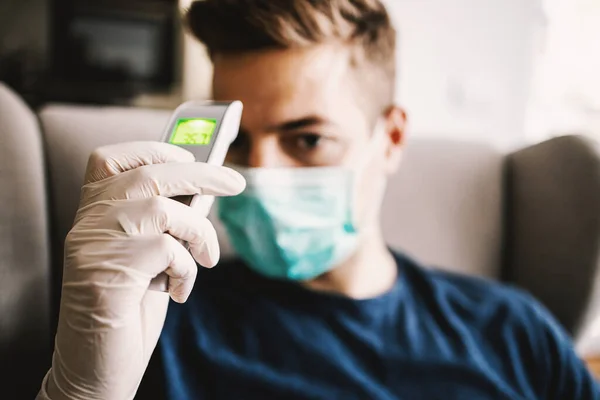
(160, 283)
(224, 118)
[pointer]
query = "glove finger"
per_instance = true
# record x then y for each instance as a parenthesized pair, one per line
(114, 159)
(182, 269)
(168, 180)
(159, 215)
(205, 249)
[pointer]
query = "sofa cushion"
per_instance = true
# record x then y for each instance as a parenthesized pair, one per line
(445, 205)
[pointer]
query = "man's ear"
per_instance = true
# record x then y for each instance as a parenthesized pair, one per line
(395, 126)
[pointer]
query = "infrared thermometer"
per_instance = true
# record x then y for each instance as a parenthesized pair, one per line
(206, 129)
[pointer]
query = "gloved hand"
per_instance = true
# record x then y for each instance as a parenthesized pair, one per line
(123, 236)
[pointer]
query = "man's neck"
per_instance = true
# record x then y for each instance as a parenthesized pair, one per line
(369, 273)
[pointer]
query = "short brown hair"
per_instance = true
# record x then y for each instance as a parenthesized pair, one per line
(230, 26)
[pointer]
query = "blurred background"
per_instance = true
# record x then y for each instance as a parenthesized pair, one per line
(507, 71)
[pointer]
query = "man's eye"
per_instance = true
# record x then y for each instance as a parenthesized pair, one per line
(308, 141)
(312, 149)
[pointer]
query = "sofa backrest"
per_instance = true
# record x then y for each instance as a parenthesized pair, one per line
(553, 231)
(444, 207)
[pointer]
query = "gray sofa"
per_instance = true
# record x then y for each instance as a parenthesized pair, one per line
(531, 218)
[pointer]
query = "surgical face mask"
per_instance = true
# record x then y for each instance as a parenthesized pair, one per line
(294, 223)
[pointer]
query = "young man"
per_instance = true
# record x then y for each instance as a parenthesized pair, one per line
(318, 307)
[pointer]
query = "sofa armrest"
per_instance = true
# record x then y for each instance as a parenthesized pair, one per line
(25, 338)
(553, 232)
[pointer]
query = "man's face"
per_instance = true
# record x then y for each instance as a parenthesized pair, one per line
(302, 108)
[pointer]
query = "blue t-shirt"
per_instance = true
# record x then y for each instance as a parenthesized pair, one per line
(434, 335)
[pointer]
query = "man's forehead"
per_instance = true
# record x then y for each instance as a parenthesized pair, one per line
(308, 65)
(278, 85)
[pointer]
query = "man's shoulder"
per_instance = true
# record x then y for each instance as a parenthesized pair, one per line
(515, 335)
(484, 289)
(473, 296)
(505, 325)
(476, 287)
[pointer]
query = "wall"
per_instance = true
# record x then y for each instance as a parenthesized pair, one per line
(24, 25)
(197, 70)
(465, 65)
(196, 74)
(566, 89)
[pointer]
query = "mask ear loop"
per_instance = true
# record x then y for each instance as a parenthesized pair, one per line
(361, 167)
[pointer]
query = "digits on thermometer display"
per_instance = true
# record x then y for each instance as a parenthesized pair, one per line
(193, 131)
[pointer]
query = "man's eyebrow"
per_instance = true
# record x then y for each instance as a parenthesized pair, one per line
(299, 123)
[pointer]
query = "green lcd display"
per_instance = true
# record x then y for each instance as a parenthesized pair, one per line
(193, 131)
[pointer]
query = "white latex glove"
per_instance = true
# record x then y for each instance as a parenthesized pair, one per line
(123, 236)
